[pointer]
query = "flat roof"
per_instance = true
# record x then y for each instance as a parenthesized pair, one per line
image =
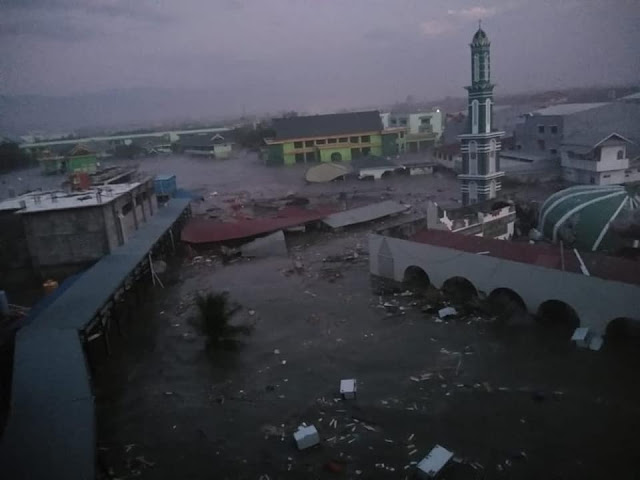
(60, 200)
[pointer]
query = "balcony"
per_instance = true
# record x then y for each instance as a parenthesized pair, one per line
(595, 166)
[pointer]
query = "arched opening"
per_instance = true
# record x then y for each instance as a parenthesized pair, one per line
(557, 313)
(623, 331)
(506, 304)
(415, 278)
(459, 289)
(336, 157)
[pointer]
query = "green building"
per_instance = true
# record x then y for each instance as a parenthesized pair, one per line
(78, 159)
(337, 137)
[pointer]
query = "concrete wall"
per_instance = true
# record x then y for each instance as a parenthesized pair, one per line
(78, 236)
(596, 301)
(527, 134)
(71, 236)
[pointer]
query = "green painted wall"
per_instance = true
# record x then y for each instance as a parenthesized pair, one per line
(275, 154)
(82, 163)
(390, 144)
(285, 153)
(345, 153)
(222, 150)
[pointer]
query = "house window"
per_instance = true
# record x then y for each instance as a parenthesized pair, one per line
(366, 151)
(336, 157)
(554, 129)
(620, 154)
(553, 151)
(401, 134)
(474, 116)
(297, 144)
(541, 144)
(308, 143)
(366, 139)
(606, 176)
(518, 147)
(403, 122)
(473, 158)
(311, 157)
(299, 157)
(343, 140)
(571, 154)
(540, 128)
(394, 121)
(321, 142)
(354, 139)
(332, 140)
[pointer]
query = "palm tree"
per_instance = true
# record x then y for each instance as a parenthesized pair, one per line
(215, 313)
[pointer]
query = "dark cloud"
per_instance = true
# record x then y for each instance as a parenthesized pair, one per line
(311, 54)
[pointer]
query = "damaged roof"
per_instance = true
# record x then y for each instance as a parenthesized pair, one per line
(327, 125)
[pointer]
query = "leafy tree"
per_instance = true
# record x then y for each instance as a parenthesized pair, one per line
(215, 312)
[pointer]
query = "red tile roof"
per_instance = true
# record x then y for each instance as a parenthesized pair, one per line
(542, 255)
(204, 230)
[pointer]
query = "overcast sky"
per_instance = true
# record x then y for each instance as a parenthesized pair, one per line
(318, 54)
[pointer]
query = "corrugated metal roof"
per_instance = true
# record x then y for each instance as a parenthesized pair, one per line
(327, 125)
(202, 230)
(590, 127)
(567, 108)
(326, 172)
(364, 214)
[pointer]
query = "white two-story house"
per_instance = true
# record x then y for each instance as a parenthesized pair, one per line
(591, 160)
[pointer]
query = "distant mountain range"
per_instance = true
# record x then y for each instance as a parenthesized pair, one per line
(148, 107)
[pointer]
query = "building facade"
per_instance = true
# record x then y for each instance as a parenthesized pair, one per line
(421, 129)
(602, 163)
(67, 231)
(480, 179)
(338, 137)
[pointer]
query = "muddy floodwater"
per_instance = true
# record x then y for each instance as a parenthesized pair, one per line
(516, 400)
(511, 400)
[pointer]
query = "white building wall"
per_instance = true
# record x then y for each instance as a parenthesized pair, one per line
(533, 283)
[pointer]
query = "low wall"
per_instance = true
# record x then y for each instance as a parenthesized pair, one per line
(595, 300)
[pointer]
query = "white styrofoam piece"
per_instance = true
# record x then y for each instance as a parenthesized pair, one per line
(306, 437)
(348, 387)
(437, 458)
(447, 311)
(581, 336)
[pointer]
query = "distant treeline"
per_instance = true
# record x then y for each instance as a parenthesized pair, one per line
(12, 158)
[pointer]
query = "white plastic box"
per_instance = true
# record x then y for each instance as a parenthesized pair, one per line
(306, 437)
(348, 388)
(431, 465)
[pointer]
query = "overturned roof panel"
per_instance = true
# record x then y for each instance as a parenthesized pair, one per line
(326, 172)
(364, 214)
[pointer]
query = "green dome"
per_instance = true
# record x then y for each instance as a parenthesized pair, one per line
(581, 215)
